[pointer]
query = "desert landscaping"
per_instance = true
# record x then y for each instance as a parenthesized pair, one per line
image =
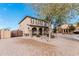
(39, 29)
(64, 45)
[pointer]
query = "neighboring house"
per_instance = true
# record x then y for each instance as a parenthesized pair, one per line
(5, 33)
(76, 31)
(77, 27)
(64, 28)
(33, 26)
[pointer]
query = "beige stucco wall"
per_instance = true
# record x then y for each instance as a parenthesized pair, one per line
(30, 21)
(5, 34)
(23, 25)
(65, 26)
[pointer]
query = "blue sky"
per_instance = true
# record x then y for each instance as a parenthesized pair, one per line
(12, 13)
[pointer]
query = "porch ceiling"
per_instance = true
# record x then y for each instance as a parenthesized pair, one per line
(38, 26)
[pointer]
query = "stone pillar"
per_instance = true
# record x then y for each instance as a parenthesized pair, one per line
(42, 31)
(63, 31)
(68, 31)
(23, 33)
(30, 31)
(37, 31)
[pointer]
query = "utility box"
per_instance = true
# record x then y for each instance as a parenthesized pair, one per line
(5, 33)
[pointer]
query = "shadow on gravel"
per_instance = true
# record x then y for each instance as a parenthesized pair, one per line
(72, 39)
(35, 43)
(47, 48)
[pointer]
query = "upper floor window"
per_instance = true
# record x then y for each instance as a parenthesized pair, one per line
(36, 21)
(33, 21)
(43, 23)
(39, 22)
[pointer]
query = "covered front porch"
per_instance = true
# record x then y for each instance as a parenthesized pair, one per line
(38, 31)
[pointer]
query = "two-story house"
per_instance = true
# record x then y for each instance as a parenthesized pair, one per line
(33, 26)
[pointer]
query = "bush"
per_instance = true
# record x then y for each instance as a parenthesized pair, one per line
(71, 28)
(38, 35)
(52, 36)
(54, 30)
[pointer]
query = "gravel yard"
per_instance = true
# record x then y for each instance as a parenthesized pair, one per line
(26, 46)
(23, 47)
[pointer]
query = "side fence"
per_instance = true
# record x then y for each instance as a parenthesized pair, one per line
(16, 33)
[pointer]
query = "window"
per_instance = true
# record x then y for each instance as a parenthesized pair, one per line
(36, 21)
(43, 23)
(39, 22)
(33, 21)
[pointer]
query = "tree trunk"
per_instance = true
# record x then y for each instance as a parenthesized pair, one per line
(49, 31)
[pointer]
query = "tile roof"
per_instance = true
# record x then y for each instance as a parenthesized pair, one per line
(32, 18)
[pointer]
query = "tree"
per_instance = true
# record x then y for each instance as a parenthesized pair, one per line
(57, 11)
(77, 24)
(71, 28)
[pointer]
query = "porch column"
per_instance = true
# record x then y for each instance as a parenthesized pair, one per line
(23, 33)
(63, 31)
(43, 31)
(37, 31)
(30, 31)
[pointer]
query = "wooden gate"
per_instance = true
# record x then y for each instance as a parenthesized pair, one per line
(16, 33)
